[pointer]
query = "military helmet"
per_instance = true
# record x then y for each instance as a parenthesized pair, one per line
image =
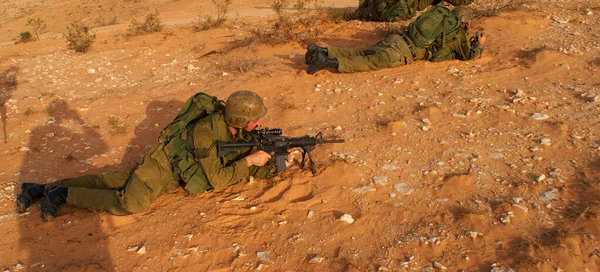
(464, 14)
(242, 107)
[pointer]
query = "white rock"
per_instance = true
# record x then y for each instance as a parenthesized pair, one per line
(316, 259)
(452, 70)
(338, 128)
(540, 116)
(310, 214)
(505, 219)
(263, 256)
(401, 188)
(347, 218)
(588, 12)
(541, 178)
(363, 189)
(91, 71)
(191, 67)
(142, 250)
(546, 141)
(380, 180)
(389, 167)
(224, 74)
(24, 149)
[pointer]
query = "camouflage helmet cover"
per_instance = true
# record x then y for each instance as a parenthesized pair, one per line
(242, 107)
(464, 14)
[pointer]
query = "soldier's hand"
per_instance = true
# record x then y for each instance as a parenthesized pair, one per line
(289, 160)
(258, 158)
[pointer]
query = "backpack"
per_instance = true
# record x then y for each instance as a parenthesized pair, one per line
(178, 141)
(434, 28)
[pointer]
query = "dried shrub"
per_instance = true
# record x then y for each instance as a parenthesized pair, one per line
(79, 37)
(116, 125)
(24, 37)
(491, 8)
(38, 26)
(208, 22)
(151, 24)
(240, 63)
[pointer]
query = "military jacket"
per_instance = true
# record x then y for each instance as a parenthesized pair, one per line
(224, 171)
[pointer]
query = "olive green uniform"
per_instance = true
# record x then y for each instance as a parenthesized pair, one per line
(132, 191)
(396, 50)
(395, 10)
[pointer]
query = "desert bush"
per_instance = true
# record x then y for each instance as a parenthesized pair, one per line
(25, 37)
(491, 8)
(38, 26)
(240, 63)
(79, 37)
(151, 24)
(297, 20)
(209, 22)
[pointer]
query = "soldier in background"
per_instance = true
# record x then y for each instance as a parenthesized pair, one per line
(394, 10)
(402, 48)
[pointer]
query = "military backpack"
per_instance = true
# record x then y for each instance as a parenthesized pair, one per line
(178, 140)
(435, 27)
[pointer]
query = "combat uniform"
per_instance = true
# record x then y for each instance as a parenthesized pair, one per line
(394, 10)
(398, 49)
(132, 191)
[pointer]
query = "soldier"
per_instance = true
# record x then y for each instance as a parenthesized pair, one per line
(132, 191)
(394, 10)
(403, 48)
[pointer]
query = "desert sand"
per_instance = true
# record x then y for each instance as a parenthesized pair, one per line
(484, 165)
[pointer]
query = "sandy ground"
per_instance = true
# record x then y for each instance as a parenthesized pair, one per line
(482, 165)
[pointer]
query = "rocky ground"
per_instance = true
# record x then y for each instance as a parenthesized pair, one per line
(485, 165)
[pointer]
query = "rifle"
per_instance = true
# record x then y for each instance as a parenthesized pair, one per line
(271, 141)
(474, 44)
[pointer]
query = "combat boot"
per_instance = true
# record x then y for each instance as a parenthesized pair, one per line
(30, 192)
(311, 52)
(321, 62)
(56, 196)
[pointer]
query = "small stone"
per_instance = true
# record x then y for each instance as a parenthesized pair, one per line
(142, 250)
(91, 71)
(364, 189)
(263, 256)
(310, 214)
(191, 67)
(517, 199)
(383, 268)
(473, 234)
(316, 259)
(505, 219)
(545, 141)
(380, 180)
(292, 56)
(224, 74)
(588, 12)
(401, 188)
(398, 81)
(541, 178)
(338, 128)
(132, 248)
(549, 195)
(24, 149)
(523, 208)
(452, 70)
(540, 116)
(439, 266)
(347, 218)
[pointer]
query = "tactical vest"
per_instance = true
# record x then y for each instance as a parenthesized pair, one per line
(178, 140)
(434, 28)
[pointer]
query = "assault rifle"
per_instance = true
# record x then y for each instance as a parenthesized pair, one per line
(474, 44)
(271, 141)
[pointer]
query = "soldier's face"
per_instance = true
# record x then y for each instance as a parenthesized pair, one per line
(252, 125)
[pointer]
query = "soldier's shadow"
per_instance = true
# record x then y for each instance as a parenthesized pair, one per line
(65, 147)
